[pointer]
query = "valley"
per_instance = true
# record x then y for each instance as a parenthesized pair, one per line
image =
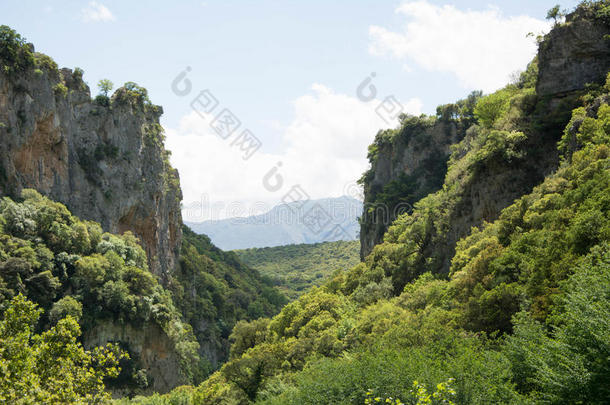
(475, 271)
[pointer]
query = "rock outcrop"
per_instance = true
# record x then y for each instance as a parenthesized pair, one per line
(406, 165)
(573, 55)
(104, 159)
(149, 346)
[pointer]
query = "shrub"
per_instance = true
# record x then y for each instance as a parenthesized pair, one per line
(570, 364)
(105, 86)
(492, 107)
(45, 62)
(15, 54)
(66, 306)
(61, 90)
(51, 367)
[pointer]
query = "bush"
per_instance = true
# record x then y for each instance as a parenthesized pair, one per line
(45, 62)
(481, 376)
(61, 90)
(51, 367)
(102, 100)
(492, 107)
(15, 54)
(570, 364)
(66, 306)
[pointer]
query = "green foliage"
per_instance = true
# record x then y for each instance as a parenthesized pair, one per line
(132, 94)
(66, 306)
(462, 111)
(584, 129)
(569, 364)
(248, 334)
(513, 311)
(105, 86)
(393, 372)
(431, 303)
(539, 238)
(491, 107)
(554, 13)
(51, 367)
(442, 395)
(297, 268)
(595, 10)
(102, 100)
(70, 267)
(45, 62)
(60, 89)
(214, 289)
(15, 54)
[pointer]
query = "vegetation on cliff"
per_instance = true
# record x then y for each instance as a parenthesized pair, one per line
(70, 267)
(214, 290)
(130, 288)
(495, 288)
(50, 367)
(513, 310)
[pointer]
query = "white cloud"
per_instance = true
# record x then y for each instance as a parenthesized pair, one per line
(96, 12)
(323, 150)
(482, 48)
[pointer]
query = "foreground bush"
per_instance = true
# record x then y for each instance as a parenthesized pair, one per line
(51, 367)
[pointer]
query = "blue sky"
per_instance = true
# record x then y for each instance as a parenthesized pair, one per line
(260, 59)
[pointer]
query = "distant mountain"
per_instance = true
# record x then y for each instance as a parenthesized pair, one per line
(311, 221)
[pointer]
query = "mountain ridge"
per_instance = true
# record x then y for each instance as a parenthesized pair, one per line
(286, 224)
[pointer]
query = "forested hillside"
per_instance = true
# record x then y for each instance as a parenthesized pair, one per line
(170, 302)
(71, 267)
(495, 289)
(213, 290)
(294, 269)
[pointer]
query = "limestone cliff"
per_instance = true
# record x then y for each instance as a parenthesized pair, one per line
(149, 345)
(104, 159)
(406, 165)
(572, 56)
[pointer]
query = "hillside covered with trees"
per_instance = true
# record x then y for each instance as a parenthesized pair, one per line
(295, 269)
(494, 289)
(170, 312)
(515, 310)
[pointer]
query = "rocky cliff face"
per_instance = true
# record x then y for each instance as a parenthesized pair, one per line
(105, 160)
(571, 56)
(406, 165)
(574, 54)
(149, 346)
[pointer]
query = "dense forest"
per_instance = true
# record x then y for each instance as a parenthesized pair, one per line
(294, 269)
(495, 288)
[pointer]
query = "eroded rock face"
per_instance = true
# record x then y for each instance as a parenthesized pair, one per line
(149, 347)
(417, 156)
(572, 55)
(105, 161)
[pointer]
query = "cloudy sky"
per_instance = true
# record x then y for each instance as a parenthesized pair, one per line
(311, 81)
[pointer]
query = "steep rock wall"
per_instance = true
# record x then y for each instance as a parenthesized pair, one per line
(149, 346)
(105, 160)
(406, 165)
(573, 54)
(570, 57)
